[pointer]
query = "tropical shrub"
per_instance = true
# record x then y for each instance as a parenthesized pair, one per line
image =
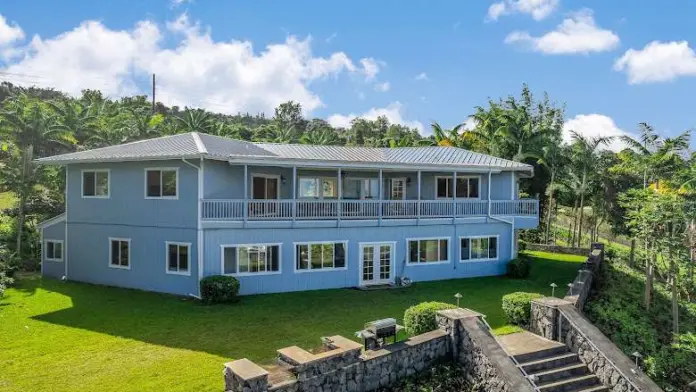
(420, 318)
(520, 267)
(219, 289)
(675, 364)
(440, 378)
(518, 307)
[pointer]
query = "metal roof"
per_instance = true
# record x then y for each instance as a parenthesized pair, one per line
(195, 145)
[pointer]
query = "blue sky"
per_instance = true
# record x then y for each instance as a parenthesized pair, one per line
(614, 63)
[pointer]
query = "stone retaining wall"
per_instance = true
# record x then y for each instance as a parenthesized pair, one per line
(462, 338)
(558, 249)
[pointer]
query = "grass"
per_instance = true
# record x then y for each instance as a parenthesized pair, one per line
(77, 337)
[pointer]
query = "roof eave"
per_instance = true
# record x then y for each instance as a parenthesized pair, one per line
(59, 162)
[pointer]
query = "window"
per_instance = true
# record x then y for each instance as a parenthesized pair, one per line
(95, 183)
(428, 251)
(250, 259)
(320, 256)
(161, 183)
(318, 187)
(119, 253)
(265, 186)
(361, 188)
(467, 187)
(53, 250)
(479, 248)
(178, 258)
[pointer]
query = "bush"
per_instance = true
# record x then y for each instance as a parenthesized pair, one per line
(420, 318)
(219, 289)
(675, 363)
(518, 307)
(520, 267)
(521, 245)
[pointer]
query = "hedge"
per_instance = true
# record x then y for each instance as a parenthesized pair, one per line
(219, 289)
(420, 318)
(518, 307)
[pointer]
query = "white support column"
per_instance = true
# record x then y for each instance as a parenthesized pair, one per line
(246, 192)
(380, 196)
(489, 192)
(454, 195)
(339, 199)
(419, 196)
(294, 193)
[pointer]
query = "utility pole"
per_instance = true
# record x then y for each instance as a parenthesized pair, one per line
(153, 93)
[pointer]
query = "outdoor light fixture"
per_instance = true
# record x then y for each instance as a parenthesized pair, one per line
(408, 181)
(458, 297)
(637, 356)
(553, 289)
(282, 179)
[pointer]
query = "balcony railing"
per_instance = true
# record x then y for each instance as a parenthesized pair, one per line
(258, 210)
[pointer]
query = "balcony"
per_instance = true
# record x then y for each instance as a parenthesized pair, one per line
(291, 210)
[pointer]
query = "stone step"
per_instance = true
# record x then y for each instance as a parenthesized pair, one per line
(561, 373)
(541, 354)
(573, 384)
(598, 388)
(548, 363)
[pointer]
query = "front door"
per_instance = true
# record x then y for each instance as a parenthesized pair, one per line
(376, 263)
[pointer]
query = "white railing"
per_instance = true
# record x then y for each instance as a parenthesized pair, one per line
(361, 209)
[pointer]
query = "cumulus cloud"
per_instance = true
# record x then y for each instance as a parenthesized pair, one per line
(538, 9)
(593, 125)
(393, 112)
(576, 34)
(9, 33)
(225, 76)
(658, 62)
(382, 87)
(421, 76)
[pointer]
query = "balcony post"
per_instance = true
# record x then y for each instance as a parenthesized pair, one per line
(489, 191)
(419, 196)
(246, 192)
(339, 199)
(294, 193)
(380, 196)
(454, 196)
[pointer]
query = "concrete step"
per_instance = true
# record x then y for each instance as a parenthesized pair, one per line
(541, 354)
(599, 388)
(561, 373)
(572, 384)
(549, 363)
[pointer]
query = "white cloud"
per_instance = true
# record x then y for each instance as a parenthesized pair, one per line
(393, 112)
(331, 38)
(469, 124)
(538, 9)
(224, 76)
(658, 62)
(9, 33)
(371, 67)
(176, 3)
(421, 76)
(382, 87)
(593, 125)
(577, 34)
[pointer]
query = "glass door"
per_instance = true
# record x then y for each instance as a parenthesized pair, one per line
(376, 263)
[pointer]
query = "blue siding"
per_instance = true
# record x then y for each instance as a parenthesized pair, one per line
(289, 280)
(56, 232)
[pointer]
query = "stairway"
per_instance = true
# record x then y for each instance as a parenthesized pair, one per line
(556, 369)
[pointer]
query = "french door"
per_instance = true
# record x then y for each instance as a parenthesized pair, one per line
(376, 263)
(263, 188)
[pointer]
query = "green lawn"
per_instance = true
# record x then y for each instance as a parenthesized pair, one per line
(76, 337)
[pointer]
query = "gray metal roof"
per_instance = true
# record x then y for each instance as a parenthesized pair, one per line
(194, 145)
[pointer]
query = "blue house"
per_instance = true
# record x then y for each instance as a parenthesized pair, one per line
(163, 213)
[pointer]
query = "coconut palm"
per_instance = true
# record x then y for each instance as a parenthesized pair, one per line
(445, 137)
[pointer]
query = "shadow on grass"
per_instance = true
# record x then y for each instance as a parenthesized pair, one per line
(259, 325)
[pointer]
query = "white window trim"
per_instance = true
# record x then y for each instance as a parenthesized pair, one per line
(128, 240)
(319, 180)
(62, 250)
(470, 260)
(309, 270)
(166, 258)
(161, 169)
(264, 175)
(449, 251)
(95, 171)
(392, 245)
(458, 178)
(237, 246)
(391, 187)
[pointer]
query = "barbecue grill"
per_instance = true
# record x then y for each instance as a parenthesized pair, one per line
(376, 333)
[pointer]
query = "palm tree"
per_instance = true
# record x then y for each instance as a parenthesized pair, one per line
(518, 130)
(487, 127)
(445, 137)
(195, 120)
(586, 149)
(552, 158)
(319, 137)
(75, 118)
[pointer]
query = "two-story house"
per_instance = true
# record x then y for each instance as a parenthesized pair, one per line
(161, 214)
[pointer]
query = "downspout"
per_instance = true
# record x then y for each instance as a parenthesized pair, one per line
(199, 225)
(509, 222)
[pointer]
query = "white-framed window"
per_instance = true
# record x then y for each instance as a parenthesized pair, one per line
(318, 256)
(178, 258)
(119, 253)
(398, 189)
(428, 250)
(265, 186)
(467, 187)
(53, 250)
(251, 259)
(317, 187)
(96, 183)
(480, 248)
(361, 188)
(162, 183)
